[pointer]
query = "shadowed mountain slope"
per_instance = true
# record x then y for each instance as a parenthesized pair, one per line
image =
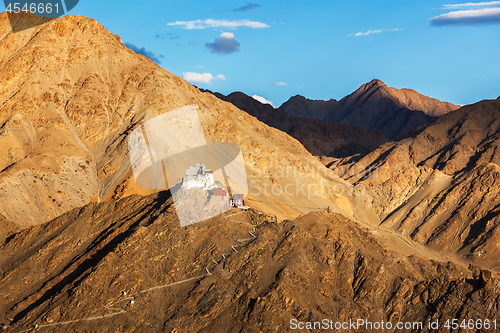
(440, 184)
(318, 137)
(375, 107)
(299, 106)
(128, 266)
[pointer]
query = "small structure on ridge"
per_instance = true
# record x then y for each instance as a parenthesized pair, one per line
(198, 176)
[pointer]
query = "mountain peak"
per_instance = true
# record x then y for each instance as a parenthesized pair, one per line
(371, 105)
(373, 84)
(318, 137)
(377, 82)
(62, 25)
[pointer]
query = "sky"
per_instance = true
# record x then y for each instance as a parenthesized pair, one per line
(273, 50)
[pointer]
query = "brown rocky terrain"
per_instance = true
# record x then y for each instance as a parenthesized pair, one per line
(128, 266)
(375, 107)
(318, 137)
(390, 241)
(71, 93)
(440, 184)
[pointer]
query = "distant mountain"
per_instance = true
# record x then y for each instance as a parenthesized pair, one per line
(440, 185)
(299, 106)
(374, 107)
(318, 137)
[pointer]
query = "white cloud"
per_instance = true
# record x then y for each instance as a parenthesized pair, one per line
(201, 77)
(472, 4)
(468, 17)
(279, 84)
(377, 31)
(210, 23)
(262, 100)
(369, 32)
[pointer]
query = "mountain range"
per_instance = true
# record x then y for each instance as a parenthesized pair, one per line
(439, 184)
(356, 124)
(318, 137)
(402, 231)
(374, 106)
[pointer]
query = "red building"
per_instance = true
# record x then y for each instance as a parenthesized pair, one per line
(219, 192)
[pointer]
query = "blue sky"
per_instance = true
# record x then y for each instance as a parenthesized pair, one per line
(319, 49)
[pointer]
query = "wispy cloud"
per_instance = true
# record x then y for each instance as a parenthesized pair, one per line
(210, 23)
(144, 52)
(248, 6)
(279, 83)
(201, 77)
(472, 4)
(468, 17)
(262, 100)
(224, 44)
(370, 32)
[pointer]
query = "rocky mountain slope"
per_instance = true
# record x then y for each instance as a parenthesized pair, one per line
(375, 107)
(71, 94)
(390, 241)
(129, 266)
(440, 185)
(299, 106)
(318, 137)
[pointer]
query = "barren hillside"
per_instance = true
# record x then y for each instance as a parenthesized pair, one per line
(70, 95)
(128, 266)
(391, 236)
(440, 184)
